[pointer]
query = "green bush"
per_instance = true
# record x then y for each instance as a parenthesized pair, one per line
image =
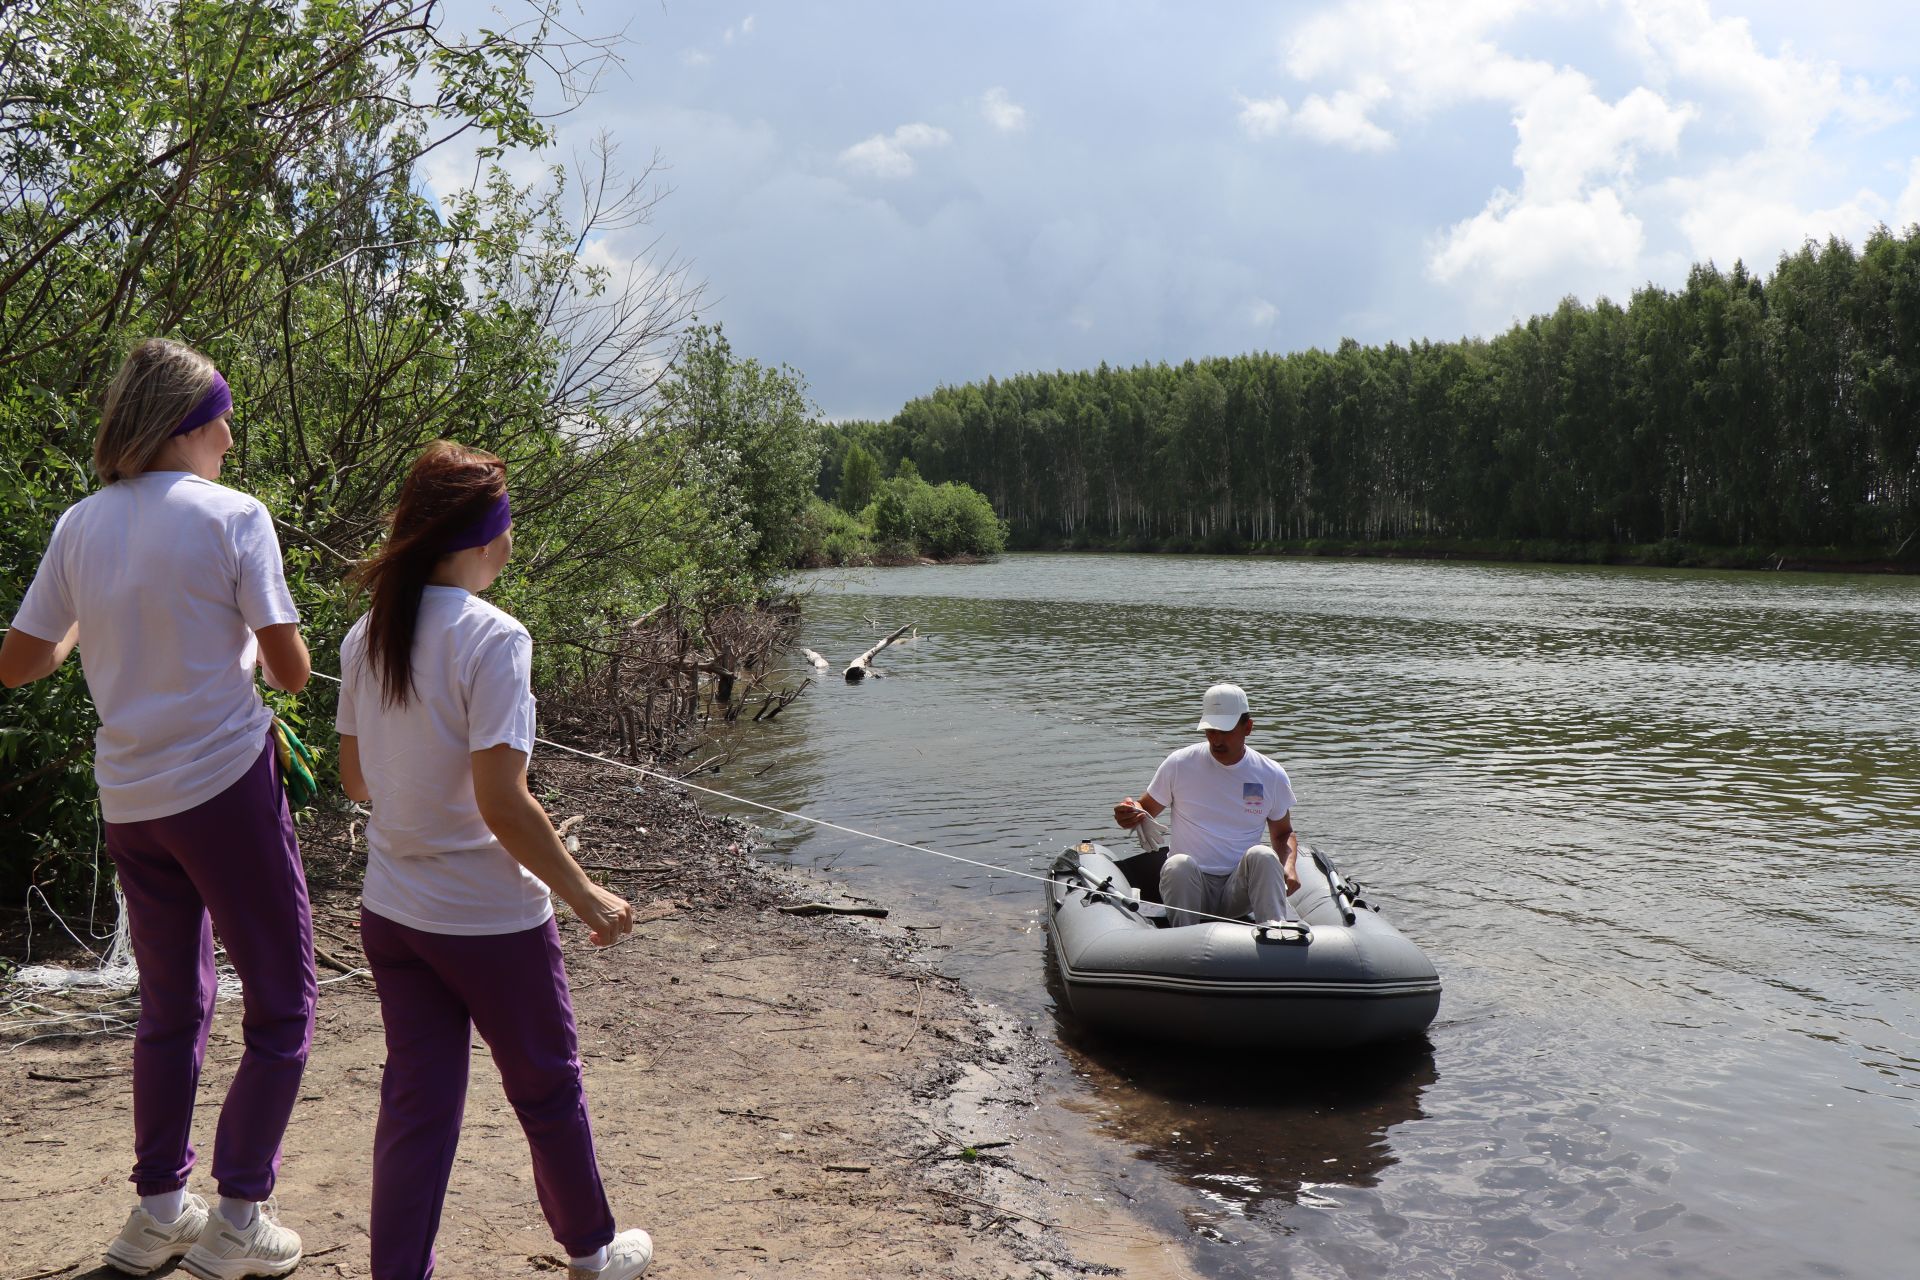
(954, 520)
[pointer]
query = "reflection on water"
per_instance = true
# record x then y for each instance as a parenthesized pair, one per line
(1243, 1129)
(1657, 829)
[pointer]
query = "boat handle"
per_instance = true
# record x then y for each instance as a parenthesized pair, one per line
(1292, 933)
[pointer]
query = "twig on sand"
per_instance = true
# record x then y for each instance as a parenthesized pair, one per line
(919, 997)
(334, 962)
(49, 1273)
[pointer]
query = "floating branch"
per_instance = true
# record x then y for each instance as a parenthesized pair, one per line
(859, 670)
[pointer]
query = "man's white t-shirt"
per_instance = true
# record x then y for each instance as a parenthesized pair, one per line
(1219, 811)
(432, 864)
(169, 576)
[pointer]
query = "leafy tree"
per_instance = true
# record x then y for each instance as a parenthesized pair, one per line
(859, 475)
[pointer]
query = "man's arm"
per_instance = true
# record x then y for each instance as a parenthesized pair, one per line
(1285, 843)
(25, 658)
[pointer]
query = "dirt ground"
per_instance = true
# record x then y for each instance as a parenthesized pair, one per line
(773, 1095)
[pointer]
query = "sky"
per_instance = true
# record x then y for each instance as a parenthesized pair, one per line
(889, 197)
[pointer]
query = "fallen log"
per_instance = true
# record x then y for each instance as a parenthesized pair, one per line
(815, 659)
(832, 909)
(859, 670)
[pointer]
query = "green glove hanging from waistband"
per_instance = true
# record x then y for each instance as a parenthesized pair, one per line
(297, 764)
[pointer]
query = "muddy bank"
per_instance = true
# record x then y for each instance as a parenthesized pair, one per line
(773, 1095)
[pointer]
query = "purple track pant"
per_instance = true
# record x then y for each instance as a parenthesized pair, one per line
(435, 989)
(230, 864)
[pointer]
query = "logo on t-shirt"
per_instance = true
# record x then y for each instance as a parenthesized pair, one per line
(1253, 796)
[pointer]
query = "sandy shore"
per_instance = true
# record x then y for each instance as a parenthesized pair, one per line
(772, 1095)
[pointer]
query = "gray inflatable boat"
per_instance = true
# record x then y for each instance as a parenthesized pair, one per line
(1343, 979)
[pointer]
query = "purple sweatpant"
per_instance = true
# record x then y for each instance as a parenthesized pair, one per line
(230, 864)
(435, 989)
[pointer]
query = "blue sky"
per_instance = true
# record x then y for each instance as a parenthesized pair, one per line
(891, 196)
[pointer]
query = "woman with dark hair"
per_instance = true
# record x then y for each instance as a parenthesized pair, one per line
(436, 726)
(175, 583)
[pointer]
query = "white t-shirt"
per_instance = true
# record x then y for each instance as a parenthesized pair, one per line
(1219, 811)
(169, 576)
(432, 864)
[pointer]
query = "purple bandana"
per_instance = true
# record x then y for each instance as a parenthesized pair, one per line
(481, 531)
(218, 400)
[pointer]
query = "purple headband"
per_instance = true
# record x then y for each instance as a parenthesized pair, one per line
(218, 400)
(481, 531)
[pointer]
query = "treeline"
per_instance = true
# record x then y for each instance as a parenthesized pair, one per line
(1735, 412)
(250, 179)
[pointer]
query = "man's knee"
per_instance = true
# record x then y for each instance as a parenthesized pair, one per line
(1262, 853)
(1179, 871)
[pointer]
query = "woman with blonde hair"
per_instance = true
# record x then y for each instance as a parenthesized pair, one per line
(172, 586)
(436, 727)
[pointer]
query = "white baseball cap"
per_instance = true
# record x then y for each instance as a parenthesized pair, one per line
(1222, 707)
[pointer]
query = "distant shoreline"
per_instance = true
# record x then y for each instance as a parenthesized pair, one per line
(1658, 555)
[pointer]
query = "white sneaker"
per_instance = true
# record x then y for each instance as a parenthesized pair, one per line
(261, 1248)
(145, 1245)
(629, 1256)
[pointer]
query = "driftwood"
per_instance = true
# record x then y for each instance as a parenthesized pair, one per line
(829, 909)
(776, 703)
(814, 659)
(859, 670)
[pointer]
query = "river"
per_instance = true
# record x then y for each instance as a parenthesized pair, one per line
(1657, 829)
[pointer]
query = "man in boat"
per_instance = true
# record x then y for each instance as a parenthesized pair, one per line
(1224, 798)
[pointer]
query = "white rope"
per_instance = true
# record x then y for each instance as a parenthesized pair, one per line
(822, 822)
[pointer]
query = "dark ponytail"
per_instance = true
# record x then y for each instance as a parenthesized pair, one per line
(449, 487)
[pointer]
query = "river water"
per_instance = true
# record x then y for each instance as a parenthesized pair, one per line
(1657, 830)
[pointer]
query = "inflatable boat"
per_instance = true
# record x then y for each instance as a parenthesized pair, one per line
(1340, 978)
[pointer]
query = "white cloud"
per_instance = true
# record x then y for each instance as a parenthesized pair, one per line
(695, 58)
(1746, 209)
(1569, 136)
(1756, 182)
(1785, 97)
(741, 29)
(1263, 117)
(1002, 112)
(1341, 121)
(1261, 314)
(1906, 212)
(891, 155)
(1514, 241)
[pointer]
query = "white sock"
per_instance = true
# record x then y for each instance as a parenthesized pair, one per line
(167, 1206)
(595, 1261)
(238, 1212)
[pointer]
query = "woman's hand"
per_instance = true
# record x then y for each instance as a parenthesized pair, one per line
(607, 915)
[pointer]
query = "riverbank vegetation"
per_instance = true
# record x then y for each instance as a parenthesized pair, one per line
(253, 179)
(1737, 419)
(896, 520)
